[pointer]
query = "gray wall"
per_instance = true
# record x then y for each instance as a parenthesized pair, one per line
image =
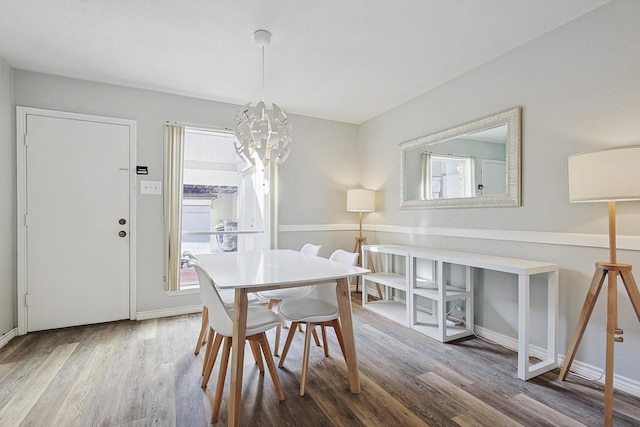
(579, 90)
(334, 143)
(7, 202)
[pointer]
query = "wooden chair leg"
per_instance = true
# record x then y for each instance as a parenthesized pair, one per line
(338, 328)
(257, 356)
(315, 336)
(287, 344)
(305, 360)
(217, 399)
(215, 348)
(268, 357)
(203, 329)
(276, 344)
(276, 341)
(207, 351)
(324, 340)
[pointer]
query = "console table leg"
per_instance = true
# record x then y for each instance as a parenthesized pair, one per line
(523, 326)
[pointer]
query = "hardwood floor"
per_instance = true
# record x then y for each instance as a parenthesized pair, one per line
(145, 373)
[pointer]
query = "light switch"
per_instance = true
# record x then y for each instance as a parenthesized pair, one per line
(150, 187)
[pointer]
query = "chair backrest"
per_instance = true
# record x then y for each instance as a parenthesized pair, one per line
(188, 254)
(340, 255)
(310, 249)
(328, 292)
(219, 318)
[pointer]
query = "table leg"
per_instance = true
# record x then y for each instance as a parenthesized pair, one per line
(523, 327)
(344, 306)
(526, 370)
(237, 358)
(552, 317)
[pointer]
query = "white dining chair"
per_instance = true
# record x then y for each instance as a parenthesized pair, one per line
(259, 320)
(310, 249)
(274, 296)
(227, 297)
(205, 316)
(320, 307)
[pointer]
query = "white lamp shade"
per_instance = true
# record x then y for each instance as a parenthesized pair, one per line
(360, 200)
(606, 175)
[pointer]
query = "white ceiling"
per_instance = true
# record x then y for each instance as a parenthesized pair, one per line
(344, 60)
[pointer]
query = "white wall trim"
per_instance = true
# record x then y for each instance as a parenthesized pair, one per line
(4, 339)
(590, 372)
(319, 227)
(168, 312)
(624, 242)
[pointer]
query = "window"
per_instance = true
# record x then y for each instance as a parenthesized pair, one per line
(447, 177)
(214, 202)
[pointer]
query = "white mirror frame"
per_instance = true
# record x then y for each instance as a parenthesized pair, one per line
(510, 117)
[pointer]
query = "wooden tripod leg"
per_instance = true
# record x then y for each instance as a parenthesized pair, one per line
(585, 314)
(612, 328)
(632, 290)
(357, 249)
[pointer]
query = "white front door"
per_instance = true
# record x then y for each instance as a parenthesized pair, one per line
(77, 202)
(494, 174)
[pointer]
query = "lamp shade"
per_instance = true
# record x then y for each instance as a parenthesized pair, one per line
(360, 200)
(606, 175)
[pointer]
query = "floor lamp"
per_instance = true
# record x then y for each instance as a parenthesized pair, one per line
(605, 176)
(361, 200)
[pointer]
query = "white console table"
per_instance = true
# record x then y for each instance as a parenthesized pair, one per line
(400, 272)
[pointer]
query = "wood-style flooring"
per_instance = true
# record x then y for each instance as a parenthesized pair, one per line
(145, 373)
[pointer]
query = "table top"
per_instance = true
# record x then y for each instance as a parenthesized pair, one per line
(232, 270)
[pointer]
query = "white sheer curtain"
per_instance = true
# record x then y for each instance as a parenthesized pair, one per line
(173, 160)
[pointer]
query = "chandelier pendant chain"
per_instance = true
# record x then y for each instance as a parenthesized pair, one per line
(262, 73)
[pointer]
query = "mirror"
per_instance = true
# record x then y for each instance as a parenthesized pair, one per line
(472, 165)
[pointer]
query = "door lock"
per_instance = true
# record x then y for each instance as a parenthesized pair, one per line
(122, 221)
(122, 233)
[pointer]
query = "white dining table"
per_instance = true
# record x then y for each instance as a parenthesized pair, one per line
(275, 269)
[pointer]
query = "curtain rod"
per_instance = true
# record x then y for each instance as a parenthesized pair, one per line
(199, 127)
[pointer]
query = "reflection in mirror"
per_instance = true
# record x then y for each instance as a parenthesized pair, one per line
(476, 164)
(447, 176)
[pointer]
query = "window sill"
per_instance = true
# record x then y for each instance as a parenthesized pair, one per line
(184, 290)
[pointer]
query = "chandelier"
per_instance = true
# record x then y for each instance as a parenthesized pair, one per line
(262, 134)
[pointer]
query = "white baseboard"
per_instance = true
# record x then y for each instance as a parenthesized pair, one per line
(168, 312)
(594, 373)
(5, 338)
(508, 342)
(582, 369)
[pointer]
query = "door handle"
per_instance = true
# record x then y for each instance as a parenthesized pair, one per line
(122, 233)
(122, 221)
